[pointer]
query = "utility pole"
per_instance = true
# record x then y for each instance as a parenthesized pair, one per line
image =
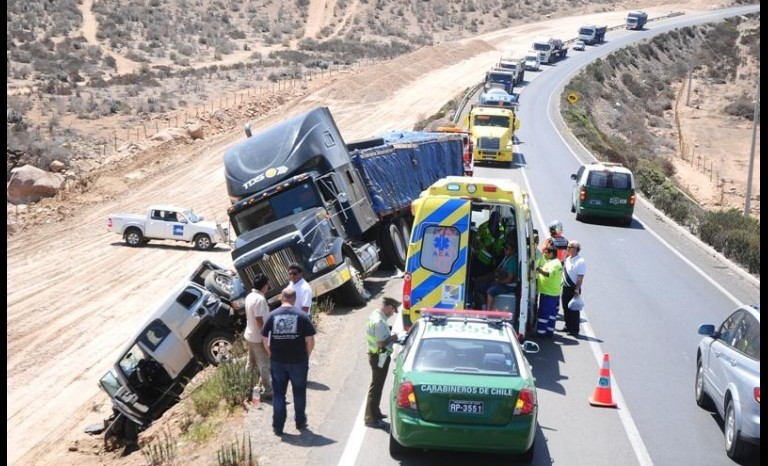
(755, 118)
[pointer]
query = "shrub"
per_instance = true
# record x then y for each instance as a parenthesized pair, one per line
(237, 453)
(161, 451)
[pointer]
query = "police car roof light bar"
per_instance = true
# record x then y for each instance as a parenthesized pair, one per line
(485, 315)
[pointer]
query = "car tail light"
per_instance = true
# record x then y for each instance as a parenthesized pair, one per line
(582, 194)
(109, 222)
(632, 199)
(757, 394)
(406, 396)
(407, 291)
(526, 401)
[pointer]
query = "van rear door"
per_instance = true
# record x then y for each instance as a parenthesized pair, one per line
(609, 192)
(436, 268)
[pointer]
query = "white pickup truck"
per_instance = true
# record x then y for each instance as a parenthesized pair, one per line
(168, 222)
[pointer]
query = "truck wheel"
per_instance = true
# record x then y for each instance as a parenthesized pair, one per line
(219, 283)
(133, 237)
(393, 247)
(353, 292)
(217, 346)
(203, 242)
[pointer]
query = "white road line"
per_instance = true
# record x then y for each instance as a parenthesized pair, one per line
(355, 439)
(633, 434)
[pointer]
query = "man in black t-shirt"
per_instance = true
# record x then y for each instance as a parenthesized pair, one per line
(289, 338)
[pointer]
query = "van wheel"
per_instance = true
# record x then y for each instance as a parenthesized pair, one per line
(217, 346)
(203, 242)
(579, 217)
(393, 245)
(134, 238)
(353, 292)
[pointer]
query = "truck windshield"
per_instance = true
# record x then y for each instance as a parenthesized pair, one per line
(508, 66)
(500, 78)
(296, 199)
(530, 58)
(587, 31)
(541, 46)
(497, 121)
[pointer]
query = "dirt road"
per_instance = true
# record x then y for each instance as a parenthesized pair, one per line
(76, 293)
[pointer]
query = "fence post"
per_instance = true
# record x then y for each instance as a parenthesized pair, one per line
(115, 140)
(145, 130)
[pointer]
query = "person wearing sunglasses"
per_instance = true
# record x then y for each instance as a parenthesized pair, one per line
(302, 288)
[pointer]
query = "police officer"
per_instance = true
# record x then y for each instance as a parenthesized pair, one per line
(380, 340)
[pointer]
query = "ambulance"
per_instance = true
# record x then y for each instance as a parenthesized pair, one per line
(441, 270)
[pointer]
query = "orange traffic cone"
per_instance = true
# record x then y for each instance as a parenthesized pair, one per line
(602, 395)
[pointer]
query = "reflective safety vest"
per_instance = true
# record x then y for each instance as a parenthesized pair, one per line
(560, 243)
(490, 247)
(370, 332)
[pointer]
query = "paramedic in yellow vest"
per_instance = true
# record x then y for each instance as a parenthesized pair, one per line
(549, 284)
(380, 339)
(489, 244)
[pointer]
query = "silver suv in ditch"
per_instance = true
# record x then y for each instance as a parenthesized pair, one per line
(195, 326)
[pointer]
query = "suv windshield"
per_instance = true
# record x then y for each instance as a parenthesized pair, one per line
(296, 199)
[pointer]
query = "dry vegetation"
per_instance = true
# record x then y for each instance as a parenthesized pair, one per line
(628, 115)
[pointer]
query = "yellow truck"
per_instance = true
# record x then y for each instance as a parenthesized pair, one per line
(441, 268)
(492, 129)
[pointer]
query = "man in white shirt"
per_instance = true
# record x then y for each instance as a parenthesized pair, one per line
(300, 286)
(256, 312)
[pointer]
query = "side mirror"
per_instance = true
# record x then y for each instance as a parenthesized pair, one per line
(707, 330)
(531, 347)
(342, 198)
(201, 218)
(573, 176)
(402, 338)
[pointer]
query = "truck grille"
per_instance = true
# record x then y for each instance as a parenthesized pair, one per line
(275, 267)
(489, 144)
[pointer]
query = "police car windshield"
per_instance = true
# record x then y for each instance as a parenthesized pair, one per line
(464, 355)
(296, 199)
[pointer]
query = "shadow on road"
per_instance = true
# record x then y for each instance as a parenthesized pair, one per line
(541, 456)
(171, 247)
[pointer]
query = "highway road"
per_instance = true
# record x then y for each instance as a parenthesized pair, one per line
(647, 290)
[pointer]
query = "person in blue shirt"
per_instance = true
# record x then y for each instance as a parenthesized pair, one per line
(504, 277)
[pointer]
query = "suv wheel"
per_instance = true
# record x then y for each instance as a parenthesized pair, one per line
(203, 242)
(702, 399)
(217, 346)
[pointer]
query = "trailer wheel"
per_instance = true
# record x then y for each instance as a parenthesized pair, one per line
(393, 245)
(133, 237)
(353, 292)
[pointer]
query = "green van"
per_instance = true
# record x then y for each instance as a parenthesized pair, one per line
(603, 190)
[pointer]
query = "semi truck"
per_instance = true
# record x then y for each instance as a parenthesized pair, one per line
(500, 79)
(493, 133)
(592, 34)
(550, 49)
(636, 20)
(301, 194)
(514, 65)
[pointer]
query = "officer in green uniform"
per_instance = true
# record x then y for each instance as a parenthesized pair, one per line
(379, 339)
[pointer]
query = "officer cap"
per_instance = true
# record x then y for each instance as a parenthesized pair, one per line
(392, 302)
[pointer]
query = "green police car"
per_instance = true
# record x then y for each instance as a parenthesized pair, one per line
(462, 382)
(603, 190)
